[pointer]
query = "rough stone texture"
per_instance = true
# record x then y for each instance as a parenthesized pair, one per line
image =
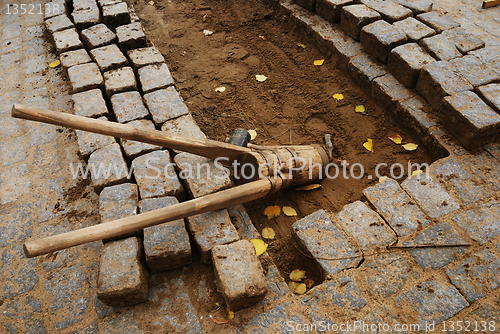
(439, 79)
(67, 40)
(379, 38)
(431, 197)
(239, 274)
(88, 142)
(389, 91)
(353, 18)
(364, 69)
(85, 77)
(477, 275)
(84, 4)
(242, 222)
(464, 41)
(307, 4)
(414, 29)
(72, 58)
(489, 56)
(396, 207)
(165, 104)
(108, 57)
(184, 126)
(103, 3)
(98, 35)
(54, 8)
(153, 77)
(491, 95)
(89, 104)
(366, 226)
(437, 21)
(111, 158)
(115, 15)
(344, 47)
(155, 176)
(116, 202)
(486, 168)
(417, 6)
(330, 9)
(123, 279)
(440, 47)
(469, 119)
(58, 23)
(131, 36)
(475, 71)
(200, 175)
(86, 18)
(128, 106)
(166, 246)
(481, 223)
(390, 11)
(211, 229)
(430, 301)
(145, 56)
(133, 148)
(323, 240)
(120, 80)
(405, 62)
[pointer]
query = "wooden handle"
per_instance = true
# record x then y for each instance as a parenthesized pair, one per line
(205, 147)
(212, 202)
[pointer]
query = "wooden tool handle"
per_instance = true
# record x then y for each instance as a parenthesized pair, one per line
(212, 202)
(205, 147)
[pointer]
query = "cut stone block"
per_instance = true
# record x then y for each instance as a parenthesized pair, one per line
(116, 202)
(131, 36)
(396, 207)
(379, 38)
(184, 126)
(128, 106)
(72, 58)
(115, 15)
(323, 240)
(440, 47)
(155, 176)
(489, 55)
(344, 48)
(86, 18)
(211, 229)
(330, 9)
(439, 79)
(119, 80)
(364, 69)
(481, 223)
(98, 35)
(85, 77)
(111, 159)
(166, 245)
(414, 29)
(431, 197)
(417, 6)
(417, 114)
(475, 71)
(88, 142)
(307, 4)
(242, 222)
(132, 148)
(153, 77)
(67, 40)
(366, 226)
(108, 57)
(103, 3)
(476, 276)
(390, 91)
(464, 41)
(239, 274)
(145, 56)
(54, 8)
(200, 175)
(84, 4)
(165, 104)
(57, 23)
(491, 95)
(405, 62)
(122, 279)
(390, 11)
(89, 104)
(490, 174)
(469, 119)
(437, 21)
(353, 18)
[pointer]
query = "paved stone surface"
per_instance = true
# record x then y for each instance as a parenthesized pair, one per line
(131, 36)
(390, 91)
(481, 223)
(67, 40)
(119, 80)
(440, 47)
(414, 29)
(438, 21)
(417, 6)
(364, 69)
(109, 166)
(115, 15)
(128, 106)
(89, 104)
(85, 77)
(242, 222)
(379, 38)
(464, 41)
(86, 18)
(145, 56)
(165, 104)
(108, 57)
(405, 62)
(88, 142)
(390, 11)
(72, 58)
(57, 23)
(133, 149)
(475, 71)
(98, 35)
(153, 77)
(354, 17)
(120, 201)
(491, 95)
(330, 9)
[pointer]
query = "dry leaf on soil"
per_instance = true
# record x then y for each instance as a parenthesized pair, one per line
(369, 145)
(207, 32)
(260, 78)
(298, 275)
(360, 109)
(268, 233)
(55, 63)
(272, 211)
(416, 172)
(300, 289)
(303, 46)
(410, 147)
(319, 62)
(309, 283)
(259, 245)
(382, 179)
(253, 134)
(338, 97)
(220, 89)
(289, 211)
(395, 138)
(262, 37)
(309, 186)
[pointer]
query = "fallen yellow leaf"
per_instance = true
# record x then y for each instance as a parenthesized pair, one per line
(360, 108)
(309, 186)
(338, 97)
(289, 211)
(253, 134)
(319, 62)
(268, 233)
(220, 89)
(382, 179)
(416, 172)
(293, 285)
(303, 46)
(260, 246)
(262, 37)
(55, 63)
(297, 275)
(260, 78)
(369, 145)
(309, 283)
(410, 147)
(396, 139)
(231, 314)
(300, 289)
(272, 211)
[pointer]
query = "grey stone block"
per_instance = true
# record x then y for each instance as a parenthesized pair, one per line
(88, 142)
(464, 41)
(128, 106)
(67, 40)
(469, 119)
(123, 279)
(417, 6)
(489, 175)
(155, 176)
(414, 29)
(145, 56)
(364, 69)
(55, 8)
(57, 23)
(390, 91)
(211, 229)
(86, 18)
(242, 222)
(431, 197)
(184, 126)
(133, 148)
(115, 15)
(390, 11)
(477, 275)
(84, 4)
(307, 4)
(153, 77)
(493, 149)
(481, 223)
(379, 38)
(369, 230)
(354, 17)
(103, 3)
(165, 104)
(440, 47)
(111, 159)
(396, 207)
(491, 95)
(85, 77)
(131, 36)
(116, 202)
(166, 245)
(89, 104)
(344, 48)
(475, 71)
(489, 55)
(323, 240)
(72, 58)
(330, 9)
(437, 21)
(108, 57)
(239, 274)
(405, 62)
(119, 80)
(439, 79)
(98, 35)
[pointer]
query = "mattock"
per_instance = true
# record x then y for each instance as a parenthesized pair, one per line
(279, 166)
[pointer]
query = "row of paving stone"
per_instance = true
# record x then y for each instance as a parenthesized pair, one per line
(449, 66)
